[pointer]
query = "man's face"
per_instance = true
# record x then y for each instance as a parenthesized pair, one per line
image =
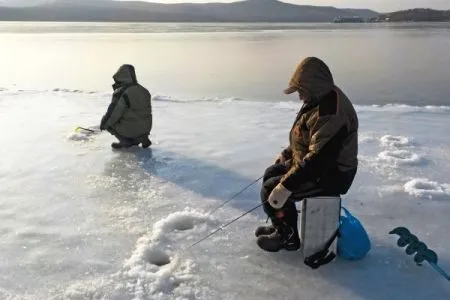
(303, 95)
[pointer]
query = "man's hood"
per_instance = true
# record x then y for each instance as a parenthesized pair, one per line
(125, 75)
(312, 75)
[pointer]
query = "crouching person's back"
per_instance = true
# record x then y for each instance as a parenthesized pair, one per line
(129, 116)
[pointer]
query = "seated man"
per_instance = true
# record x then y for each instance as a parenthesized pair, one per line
(129, 116)
(321, 159)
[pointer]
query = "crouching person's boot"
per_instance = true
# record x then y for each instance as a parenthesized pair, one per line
(145, 141)
(123, 143)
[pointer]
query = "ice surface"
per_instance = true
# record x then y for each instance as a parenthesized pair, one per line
(80, 221)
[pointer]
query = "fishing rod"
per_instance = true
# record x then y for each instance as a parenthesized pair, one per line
(85, 129)
(225, 225)
(234, 220)
(234, 196)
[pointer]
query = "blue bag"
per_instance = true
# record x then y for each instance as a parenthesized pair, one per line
(353, 242)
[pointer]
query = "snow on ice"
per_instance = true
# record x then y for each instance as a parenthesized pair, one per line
(80, 221)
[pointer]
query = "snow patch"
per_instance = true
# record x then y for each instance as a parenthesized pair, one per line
(395, 141)
(157, 257)
(401, 157)
(395, 108)
(156, 268)
(366, 139)
(87, 289)
(422, 187)
(73, 91)
(6, 295)
(287, 105)
(178, 221)
(52, 90)
(163, 98)
(78, 137)
(403, 108)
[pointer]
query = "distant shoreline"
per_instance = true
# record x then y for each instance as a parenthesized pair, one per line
(137, 11)
(215, 22)
(249, 11)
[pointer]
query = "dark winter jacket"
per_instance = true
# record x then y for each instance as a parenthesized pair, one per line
(324, 138)
(130, 111)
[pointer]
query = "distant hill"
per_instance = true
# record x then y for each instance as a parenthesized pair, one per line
(135, 11)
(22, 3)
(366, 14)
(415, 15)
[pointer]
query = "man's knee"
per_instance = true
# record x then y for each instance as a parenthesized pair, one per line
(274, 171)
(268, 172)
(271, 183)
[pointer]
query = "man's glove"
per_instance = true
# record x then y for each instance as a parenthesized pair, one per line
(279, 196)
(280, 159)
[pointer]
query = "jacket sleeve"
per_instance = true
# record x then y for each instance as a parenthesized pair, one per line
(327, 134)
(114, 113)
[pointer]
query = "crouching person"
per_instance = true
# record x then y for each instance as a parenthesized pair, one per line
(129, 116)
(321, 159)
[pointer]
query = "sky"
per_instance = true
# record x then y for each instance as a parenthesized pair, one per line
(378, 5)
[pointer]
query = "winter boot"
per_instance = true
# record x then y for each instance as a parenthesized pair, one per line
(284, 237)
(124, 143)
(265, 230)
(145, 142)
(121, 145)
